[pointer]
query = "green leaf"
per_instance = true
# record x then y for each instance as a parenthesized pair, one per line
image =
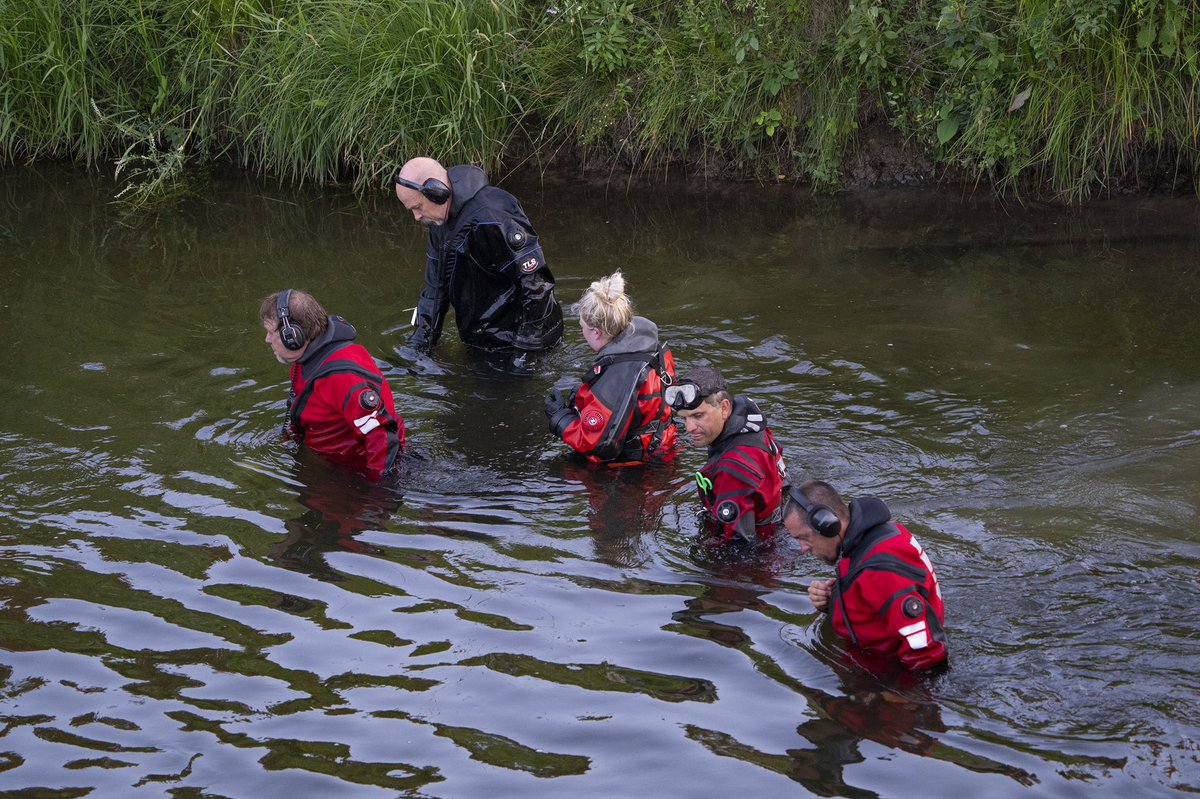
(1145, 37)
(946, 129)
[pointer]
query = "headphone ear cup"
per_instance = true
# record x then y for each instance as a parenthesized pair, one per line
(435, 191)
(824, 521)
(291, 336)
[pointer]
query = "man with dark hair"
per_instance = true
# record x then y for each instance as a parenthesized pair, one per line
(340, 404)
(483, 257)
(741, 483)
(886, 597)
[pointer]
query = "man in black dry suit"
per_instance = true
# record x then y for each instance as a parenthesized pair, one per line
(483, 258)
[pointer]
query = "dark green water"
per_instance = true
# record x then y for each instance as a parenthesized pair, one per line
(191, 607)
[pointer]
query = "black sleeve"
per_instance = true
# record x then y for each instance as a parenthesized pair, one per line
(541, 317)
(431, 307)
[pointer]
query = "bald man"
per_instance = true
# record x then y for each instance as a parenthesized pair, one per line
(483, 258)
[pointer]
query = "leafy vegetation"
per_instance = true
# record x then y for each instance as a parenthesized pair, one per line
(1074, 96)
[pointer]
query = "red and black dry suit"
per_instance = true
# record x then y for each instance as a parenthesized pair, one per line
(341, 405)
(486, 261)
(618, 414)
(886, 598)
(742, 482)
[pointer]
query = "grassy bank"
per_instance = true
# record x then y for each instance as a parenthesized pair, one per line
(1076, 97)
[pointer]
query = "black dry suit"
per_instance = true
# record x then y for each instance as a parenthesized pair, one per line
(486, 261)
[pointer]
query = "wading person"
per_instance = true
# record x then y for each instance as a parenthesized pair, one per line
(741, 483)
(483, 258)
(340, 403)
(885, 599)
(618, 414)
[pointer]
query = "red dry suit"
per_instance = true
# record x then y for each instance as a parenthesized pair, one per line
(341, 405)
(742, 482)
(886, 598)
(618, 413)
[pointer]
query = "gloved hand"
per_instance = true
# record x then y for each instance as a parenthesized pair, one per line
(553, 403)
(559, 413)
(420, 340)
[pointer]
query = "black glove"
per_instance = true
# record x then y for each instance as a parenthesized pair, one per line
(553, 403)
(420, 340)
(559, 413)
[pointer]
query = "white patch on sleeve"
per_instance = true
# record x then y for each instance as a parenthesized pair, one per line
(916, 634)
(366, 424)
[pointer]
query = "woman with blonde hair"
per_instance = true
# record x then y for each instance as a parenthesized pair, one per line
(617, 415)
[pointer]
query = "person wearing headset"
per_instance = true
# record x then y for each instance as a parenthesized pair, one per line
(886, 599)
(741, 483)
(483, 258)
(340, 403)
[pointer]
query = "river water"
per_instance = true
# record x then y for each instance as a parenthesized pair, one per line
(190, 606)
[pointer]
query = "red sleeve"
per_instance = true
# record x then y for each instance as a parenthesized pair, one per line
(739, 478)
(729, 489)
(583, 434)
(367, 425)
(916, 629)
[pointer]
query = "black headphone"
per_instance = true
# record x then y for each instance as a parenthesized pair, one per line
(432, 189)
(820, 518)
(290, 336)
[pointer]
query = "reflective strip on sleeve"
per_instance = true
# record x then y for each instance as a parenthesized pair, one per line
(366, 424)
(916, 634)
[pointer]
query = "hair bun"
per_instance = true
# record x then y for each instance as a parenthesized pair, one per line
(611, 288)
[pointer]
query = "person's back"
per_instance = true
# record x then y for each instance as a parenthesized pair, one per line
(882, 561)
(617, 415)
(341, 399)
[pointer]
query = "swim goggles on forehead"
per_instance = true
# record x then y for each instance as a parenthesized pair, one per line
(682, 396)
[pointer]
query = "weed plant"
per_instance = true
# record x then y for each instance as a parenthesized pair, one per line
(1075, 96)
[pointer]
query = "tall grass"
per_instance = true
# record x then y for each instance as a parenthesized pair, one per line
(1073, 96)
(1085, 96)
(352, 87)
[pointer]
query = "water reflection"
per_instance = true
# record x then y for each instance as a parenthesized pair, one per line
(339, 504)
(625, 506)
(189, 605)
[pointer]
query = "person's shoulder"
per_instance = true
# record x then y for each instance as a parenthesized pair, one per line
(901, 544)
(358, 354)
(500, 199)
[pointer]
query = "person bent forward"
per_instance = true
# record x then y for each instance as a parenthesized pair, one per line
(886, 598)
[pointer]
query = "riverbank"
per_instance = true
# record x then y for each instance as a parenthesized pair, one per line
(1066, 100)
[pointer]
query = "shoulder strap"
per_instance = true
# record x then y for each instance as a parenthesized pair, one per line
(605, 361)
(325, 368)
(868, 559)
(612, 440)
